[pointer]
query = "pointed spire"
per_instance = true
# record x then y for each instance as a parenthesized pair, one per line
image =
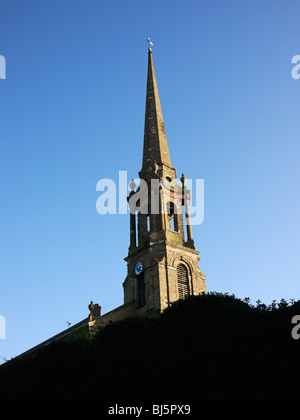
(155, 140)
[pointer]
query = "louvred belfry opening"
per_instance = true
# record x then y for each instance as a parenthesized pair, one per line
(183, 281)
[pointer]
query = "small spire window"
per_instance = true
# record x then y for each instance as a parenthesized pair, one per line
(172, 218)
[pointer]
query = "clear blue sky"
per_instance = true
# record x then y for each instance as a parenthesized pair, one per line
(72, 112)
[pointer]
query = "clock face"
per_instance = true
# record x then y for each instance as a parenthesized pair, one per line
(139, 267)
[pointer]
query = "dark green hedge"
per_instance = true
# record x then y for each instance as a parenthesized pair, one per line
(212, 346)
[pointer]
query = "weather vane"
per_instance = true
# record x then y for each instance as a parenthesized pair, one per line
(150, 43)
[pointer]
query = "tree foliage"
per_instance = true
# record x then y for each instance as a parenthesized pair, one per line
(212, 346)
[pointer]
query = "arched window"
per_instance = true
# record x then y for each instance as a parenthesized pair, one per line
(182, 281)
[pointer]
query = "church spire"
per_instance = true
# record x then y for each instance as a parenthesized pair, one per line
(155, 140)
(162, 262)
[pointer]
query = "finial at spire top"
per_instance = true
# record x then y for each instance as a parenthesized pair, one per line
(150, 43)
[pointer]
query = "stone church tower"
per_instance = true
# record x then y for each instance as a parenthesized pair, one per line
(162, 261)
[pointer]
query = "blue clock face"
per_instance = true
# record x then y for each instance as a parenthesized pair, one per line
(139, 267)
